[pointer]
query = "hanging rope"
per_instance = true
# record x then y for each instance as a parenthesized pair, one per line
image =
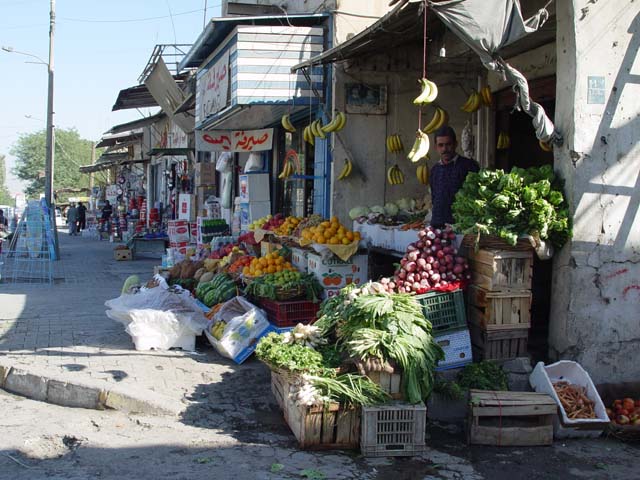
(424, 58)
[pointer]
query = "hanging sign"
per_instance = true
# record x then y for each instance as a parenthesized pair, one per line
(212, 88)
(234, 140)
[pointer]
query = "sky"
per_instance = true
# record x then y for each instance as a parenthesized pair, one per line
(100, 48)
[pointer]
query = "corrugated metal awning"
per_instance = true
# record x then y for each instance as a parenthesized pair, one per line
(219, 28)
(139, 96)
(120, 139)
(105, 162)
(162, 152)
(135, 124)
(398, 27)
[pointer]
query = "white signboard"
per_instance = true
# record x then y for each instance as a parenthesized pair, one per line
(177, 137)
(234, 140)
(212, 89)
(111, 194)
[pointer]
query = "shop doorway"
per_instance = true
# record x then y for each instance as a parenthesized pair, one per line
(294, 195)
(525, 152)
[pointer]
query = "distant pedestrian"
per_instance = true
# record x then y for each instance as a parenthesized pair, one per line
(3, 220)
(107, 210)
(72, 219)
(82, 216)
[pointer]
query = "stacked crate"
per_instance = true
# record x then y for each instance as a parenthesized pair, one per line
(499, 302)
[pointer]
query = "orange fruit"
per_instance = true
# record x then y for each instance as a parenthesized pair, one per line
(345, 241)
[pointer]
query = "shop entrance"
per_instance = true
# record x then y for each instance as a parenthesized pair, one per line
(525, 152)
(294, 195)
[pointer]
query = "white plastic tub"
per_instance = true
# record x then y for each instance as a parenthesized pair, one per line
(542, 379)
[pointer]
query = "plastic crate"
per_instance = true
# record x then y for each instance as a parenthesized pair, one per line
(445, 310)
(289, 314)
(393, 430)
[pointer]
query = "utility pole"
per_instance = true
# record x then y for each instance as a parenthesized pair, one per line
(50, 148)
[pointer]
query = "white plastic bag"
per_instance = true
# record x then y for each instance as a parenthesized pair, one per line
(254, 163)
(154, 329)
(224, 163)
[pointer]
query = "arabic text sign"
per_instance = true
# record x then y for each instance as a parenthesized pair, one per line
(234, 140)
(212, 89)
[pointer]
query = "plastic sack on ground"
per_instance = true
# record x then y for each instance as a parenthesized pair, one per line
(159, 317)
(244, 324)
(154, 329)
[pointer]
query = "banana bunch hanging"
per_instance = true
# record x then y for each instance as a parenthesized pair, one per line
(394, 144)
(422, 173)
(440, 118)
(428, 94)
(420, 147)
(473, 103)
(336, 124)
(485, 94)
(288, 169)
(286, 123)
(308, 136)
(545, 146)
(395, 175)
(346, 170)
(504, 141)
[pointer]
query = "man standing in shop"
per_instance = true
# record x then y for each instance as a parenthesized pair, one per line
(82, 217)
(447, 176)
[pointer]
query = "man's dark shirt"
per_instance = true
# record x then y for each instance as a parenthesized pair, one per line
(107, 210)
(82, 212)
(445, 181)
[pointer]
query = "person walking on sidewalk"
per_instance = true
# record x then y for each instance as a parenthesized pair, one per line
(82, 216)
(72, 219)
(107, 210)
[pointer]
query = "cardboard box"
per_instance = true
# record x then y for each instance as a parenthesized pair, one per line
(402, 238)
(179, 247)
(186, 207)
(205, 174)
(193, 232)
(249, 212)
(334, 273)
(122, 254)
(300, 259)
(178, 231)
(254, 187)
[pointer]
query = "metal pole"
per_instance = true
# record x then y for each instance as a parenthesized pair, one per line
(50, 149)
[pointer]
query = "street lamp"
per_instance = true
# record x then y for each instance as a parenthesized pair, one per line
(50, 152)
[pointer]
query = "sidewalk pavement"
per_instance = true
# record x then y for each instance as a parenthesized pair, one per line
(58, 345)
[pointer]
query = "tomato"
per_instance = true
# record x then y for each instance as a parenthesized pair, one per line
(623, 411)
(628, 403)
(637, 403)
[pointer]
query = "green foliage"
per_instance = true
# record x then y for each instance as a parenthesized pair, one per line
(289, 356)
(483, 376)
(5, 195)
(523, 201)
(71, 152)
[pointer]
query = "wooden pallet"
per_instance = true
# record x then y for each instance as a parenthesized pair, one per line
(501, 269)
(499, 344)
(498, 310)
(510, 418)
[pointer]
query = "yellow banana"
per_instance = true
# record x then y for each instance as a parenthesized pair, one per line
(445, 117)
(346, 170)
(399, 176)
(317, 129)
(487, 98)
(331, 126)
(390, 147)
(390, 178)
(286, 123)
(308, 135)
(428, 94)
(545, 146)
(473, 102)
(435, 122)
(500, 143)
(342, 120)
(284, 170)
(420, 147)
(397, 142)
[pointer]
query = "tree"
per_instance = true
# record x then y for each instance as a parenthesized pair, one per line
(5, 195)
(71, 152)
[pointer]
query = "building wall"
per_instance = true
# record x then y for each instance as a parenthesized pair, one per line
(364, 135)
(596, 292)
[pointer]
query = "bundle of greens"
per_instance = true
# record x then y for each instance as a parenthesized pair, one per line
(387, 327)
(269, 286)
(523, 201)
(318, 380)
(484, 375)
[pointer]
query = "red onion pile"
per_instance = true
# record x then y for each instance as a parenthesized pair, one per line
(431, 263)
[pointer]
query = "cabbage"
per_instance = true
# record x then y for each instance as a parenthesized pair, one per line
(358, 212)
(391, 209)
(377, 209)
(404, 203)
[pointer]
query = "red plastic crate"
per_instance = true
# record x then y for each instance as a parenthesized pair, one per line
(289, 314)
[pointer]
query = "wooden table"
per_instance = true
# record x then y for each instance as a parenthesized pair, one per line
(149, 246)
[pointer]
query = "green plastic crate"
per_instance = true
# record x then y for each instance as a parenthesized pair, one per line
(445, 310)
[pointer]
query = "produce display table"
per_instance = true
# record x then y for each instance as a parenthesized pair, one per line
(148, 246)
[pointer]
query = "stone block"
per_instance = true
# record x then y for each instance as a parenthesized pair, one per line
(73, 395)
(518, 382)
(4, 371)
(517, 365)
(26, 384)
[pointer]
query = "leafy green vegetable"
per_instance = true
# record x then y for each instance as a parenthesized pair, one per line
(294, 357)
(483, 376)
(523, 201)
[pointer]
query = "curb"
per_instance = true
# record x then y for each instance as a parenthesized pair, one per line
(95, 396)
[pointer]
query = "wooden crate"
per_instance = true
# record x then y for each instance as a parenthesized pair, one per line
(510, 418)
(279, 388)
(332, 426)
(499, 344)
(498, 310)
(389, 382)
(501, 269)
